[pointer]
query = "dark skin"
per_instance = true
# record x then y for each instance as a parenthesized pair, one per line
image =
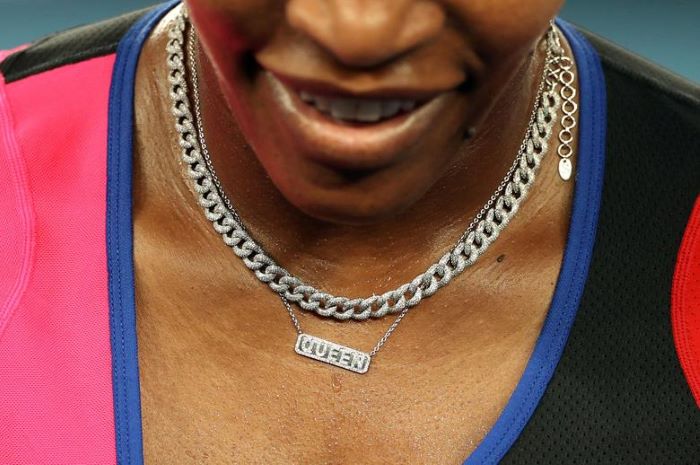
(437, 387)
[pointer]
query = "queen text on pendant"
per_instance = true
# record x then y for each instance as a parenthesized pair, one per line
(332, 353)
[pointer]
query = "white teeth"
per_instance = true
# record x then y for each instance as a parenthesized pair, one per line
(357, 109)
(322, 104)
(306, 97)
(344, 109)
(369, 111)
(407, 105)
(390, 108)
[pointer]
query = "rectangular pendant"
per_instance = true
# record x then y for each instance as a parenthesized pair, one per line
(332, 353)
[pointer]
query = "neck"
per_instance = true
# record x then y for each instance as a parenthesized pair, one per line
(320, 251)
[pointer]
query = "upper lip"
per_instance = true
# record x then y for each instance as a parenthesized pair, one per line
(344, 90)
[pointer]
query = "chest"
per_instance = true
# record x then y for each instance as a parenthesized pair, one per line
(220, 382)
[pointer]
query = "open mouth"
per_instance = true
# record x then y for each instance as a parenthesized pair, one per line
(355, 130)
(359, 110)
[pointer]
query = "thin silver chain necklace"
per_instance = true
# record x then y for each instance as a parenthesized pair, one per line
(481, 232)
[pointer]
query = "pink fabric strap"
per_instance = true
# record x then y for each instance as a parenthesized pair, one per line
(55, 359)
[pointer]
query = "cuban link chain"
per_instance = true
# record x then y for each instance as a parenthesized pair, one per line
(482, 231)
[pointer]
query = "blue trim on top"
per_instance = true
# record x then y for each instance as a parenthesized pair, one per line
(590, 162)
(120, 266)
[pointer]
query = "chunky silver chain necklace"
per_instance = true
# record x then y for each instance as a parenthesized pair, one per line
(481, 232)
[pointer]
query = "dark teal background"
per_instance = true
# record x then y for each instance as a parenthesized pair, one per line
(665, 31)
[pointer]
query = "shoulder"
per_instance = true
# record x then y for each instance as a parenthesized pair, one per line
(54, 92)
(57, 82)
(623, 67)
(54, 100)
(54, 95)
(649, 229)
(646, 100)
(653, 120)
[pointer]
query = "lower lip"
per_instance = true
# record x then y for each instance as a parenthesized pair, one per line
(349, 146)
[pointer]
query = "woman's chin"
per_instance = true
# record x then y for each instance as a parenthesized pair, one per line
(343, 214)
(349, 204)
